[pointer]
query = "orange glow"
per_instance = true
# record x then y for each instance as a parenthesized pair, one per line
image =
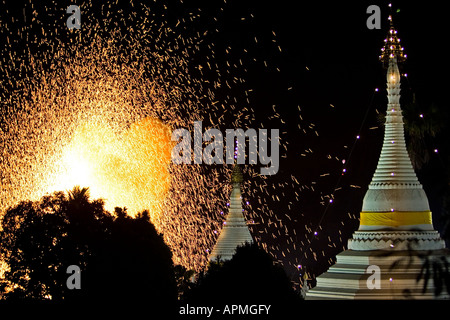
(127, 170)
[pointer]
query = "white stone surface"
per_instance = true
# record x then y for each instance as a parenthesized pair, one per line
(235, 231)
(399, 270)
(394, 184)
(397, 250)
(396, 240)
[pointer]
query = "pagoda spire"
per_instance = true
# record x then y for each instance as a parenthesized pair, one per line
(235, 231)
(395, 221)
(395, 199)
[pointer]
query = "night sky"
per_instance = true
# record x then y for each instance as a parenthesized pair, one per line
(329, 67)
(323, 59)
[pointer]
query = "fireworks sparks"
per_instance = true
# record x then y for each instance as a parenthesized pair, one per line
(95, 107)
(130, 170)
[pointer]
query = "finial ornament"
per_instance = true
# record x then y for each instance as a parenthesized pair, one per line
(392, 47)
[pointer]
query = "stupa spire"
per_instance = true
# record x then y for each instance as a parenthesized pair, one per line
(395, 219)
(235, 231)
(395, 199)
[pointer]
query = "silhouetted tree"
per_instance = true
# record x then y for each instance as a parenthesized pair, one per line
(420, 129)
(184, 280)
(122, 259)
(250, 277)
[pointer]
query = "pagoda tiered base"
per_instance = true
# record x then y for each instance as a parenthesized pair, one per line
(399, 271)
(396, 240)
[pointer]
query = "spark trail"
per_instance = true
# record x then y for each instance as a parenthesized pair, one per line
(95, 107)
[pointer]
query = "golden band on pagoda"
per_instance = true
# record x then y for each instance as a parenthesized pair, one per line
(394, 219)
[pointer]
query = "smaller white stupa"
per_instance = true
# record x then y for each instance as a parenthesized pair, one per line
(235, 231)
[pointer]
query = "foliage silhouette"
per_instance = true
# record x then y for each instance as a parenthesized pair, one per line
(250, 277)
(122, 259)
(183, 278)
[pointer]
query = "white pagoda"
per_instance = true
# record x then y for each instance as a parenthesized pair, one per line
(235, 231)
(386, 255)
